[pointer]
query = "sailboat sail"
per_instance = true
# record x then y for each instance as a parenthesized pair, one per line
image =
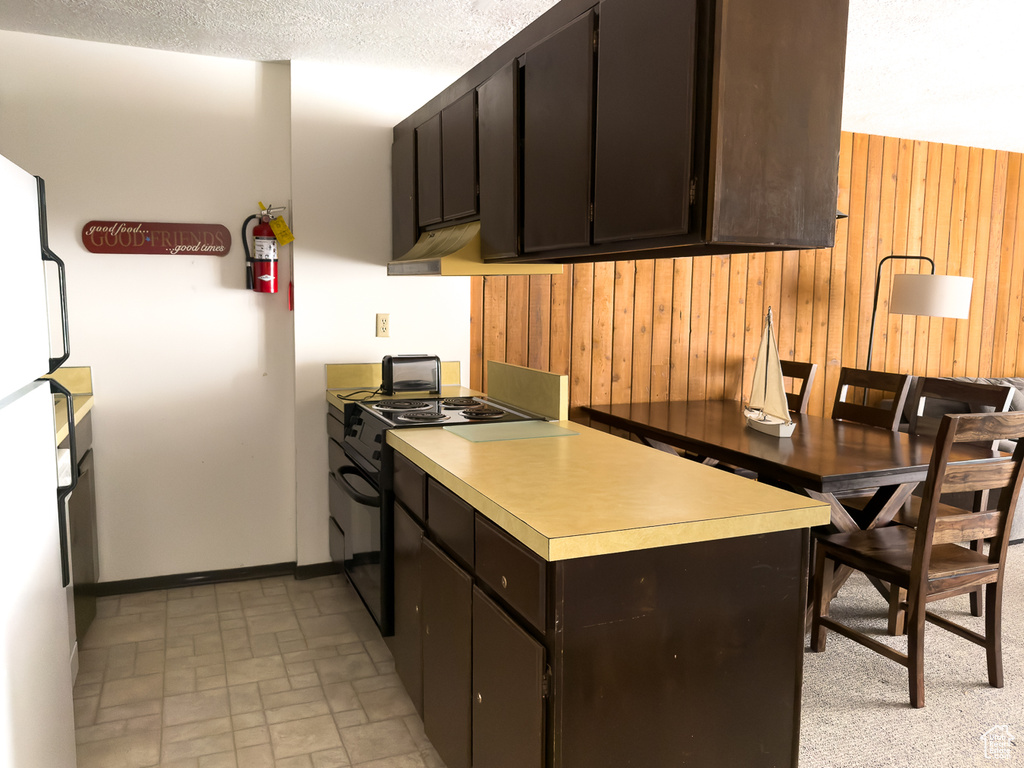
(768, 391)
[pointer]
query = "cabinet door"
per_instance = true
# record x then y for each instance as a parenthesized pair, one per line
(428, 171)
(447, 656)
(644, 132)
(404, 217)
(451, 521)
(498, 108)
(458, 158)
(410, 486)
(557, 145)
(406, 644)
(508, 690)
(83, 543)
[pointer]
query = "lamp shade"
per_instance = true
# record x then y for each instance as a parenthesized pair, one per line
(931, 295)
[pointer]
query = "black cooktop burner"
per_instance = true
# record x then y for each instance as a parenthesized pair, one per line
(429, 412)
(483, 413)
(459, 402)
(402, 405)
(421, 417)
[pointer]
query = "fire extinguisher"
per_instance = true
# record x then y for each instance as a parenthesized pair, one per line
(261, 264)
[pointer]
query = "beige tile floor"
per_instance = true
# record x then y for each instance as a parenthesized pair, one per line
(271, 673)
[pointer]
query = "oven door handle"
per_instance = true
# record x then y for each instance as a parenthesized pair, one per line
(348, 488)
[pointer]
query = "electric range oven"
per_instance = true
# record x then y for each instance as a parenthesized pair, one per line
(361, 533)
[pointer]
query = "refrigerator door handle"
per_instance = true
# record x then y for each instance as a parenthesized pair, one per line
(63, 491)
(48, 255)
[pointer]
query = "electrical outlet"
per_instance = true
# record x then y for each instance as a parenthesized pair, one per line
(383, 325)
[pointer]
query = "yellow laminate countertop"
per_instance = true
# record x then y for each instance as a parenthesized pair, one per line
(593, 493)
(82, 405)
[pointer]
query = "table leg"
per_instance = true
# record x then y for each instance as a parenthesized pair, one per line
(885, 504)
(839, 518)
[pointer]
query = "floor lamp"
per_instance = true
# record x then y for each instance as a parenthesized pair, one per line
(930, 295)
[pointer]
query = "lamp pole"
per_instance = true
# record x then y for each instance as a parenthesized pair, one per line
(874, 306)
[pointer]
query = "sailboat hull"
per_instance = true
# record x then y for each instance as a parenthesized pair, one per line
(770, 426)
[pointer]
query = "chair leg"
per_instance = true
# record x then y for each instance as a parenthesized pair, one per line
(993, 634)
(977, 546)
(915, 651)
(822, 591)
(897, 616)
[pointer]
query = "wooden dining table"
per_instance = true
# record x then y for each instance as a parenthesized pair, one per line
(825, 459)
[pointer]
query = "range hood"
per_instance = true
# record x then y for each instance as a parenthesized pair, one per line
(456, 251)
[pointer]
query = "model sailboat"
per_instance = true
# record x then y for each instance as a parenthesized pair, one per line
(767, 410)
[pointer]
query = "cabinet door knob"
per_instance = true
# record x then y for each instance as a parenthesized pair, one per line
(479, 698)
(504, 583)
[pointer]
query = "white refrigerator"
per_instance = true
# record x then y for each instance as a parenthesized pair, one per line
(36, 709)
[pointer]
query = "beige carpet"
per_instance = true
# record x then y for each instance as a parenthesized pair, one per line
(856, 706)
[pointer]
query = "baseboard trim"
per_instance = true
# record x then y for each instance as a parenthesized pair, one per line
(315, 571)
(175, 581)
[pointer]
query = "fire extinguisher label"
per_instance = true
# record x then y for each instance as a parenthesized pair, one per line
(265, 249)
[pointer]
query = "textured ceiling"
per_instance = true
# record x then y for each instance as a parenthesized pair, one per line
(940, 70)
(433, 34)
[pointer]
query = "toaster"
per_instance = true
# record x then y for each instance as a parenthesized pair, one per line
(410, 373)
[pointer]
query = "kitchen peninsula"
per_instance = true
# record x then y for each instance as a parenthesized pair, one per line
(583, 600)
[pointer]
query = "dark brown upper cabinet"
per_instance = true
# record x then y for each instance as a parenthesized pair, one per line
(644, 128)
(428, 171)
(498, 134)
(777, 98)
(558, 116)
(446, 157)
(645, 115)
(458, 158)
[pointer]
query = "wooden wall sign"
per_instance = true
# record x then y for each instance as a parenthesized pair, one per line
(151, 237)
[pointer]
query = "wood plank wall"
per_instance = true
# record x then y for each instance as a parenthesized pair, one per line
(661, 329)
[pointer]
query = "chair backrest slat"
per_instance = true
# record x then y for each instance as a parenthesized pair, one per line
(970, 526)
(976, 396)
(1002, 426)
(896, 385)
(802, 373)
(981, 477)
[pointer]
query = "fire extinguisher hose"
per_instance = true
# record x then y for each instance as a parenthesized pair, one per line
(248, 256)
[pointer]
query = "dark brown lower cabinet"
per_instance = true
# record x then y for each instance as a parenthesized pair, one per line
(508, 690)
(682, 655)
(84, 557)
(447, 656)
(407, 644)
(82, 537)
(686, 655)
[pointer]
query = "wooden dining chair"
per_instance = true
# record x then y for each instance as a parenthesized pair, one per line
(802, 376)
(875, 411)
(935, 395)
(927, 561)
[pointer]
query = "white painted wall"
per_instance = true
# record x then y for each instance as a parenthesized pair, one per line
(194, 435)
(209, 425)
(342, 118)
